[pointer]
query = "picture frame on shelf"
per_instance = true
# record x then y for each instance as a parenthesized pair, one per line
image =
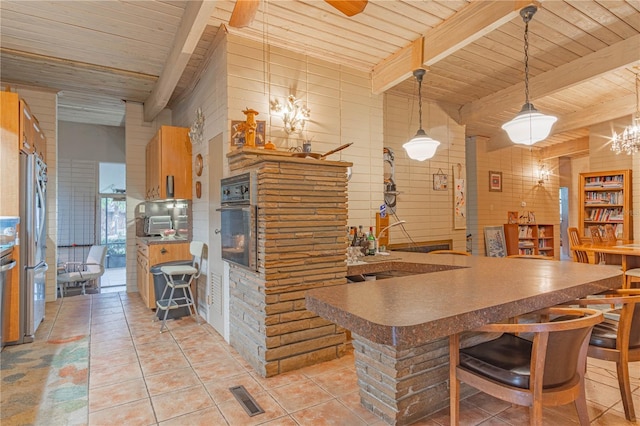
(494, 241)
(495, 181)
(512, 217)
(238, 137)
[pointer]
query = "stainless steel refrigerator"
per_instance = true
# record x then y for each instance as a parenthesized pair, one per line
(33, 241)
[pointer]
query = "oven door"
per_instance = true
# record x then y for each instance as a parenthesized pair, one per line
(239, 235)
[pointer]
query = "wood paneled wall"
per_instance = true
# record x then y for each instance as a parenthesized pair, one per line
(519, 168)
(343, 110)
(429, 213)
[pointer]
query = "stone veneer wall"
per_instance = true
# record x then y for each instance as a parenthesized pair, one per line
(402, 385)
(302, 217)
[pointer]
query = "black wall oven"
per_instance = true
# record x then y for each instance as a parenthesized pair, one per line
(239, 221)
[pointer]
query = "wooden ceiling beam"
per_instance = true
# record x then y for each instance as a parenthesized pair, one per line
(466, 26)
(572, 148)
(470, 23)
(611, 58)
(194, 21)
(397, 67)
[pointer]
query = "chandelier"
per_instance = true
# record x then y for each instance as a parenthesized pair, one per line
(530, 125)
(421, 147)
(629, 140)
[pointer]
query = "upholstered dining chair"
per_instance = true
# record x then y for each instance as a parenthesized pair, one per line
(596, 238)
(547, 371)
(617, 339)
(83, 272)
(631, 276)
(574, 240)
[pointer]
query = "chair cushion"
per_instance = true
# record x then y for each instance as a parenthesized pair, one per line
(635, 272)
(605, 334)
(72, 277)
(506, 359)
(178, 270)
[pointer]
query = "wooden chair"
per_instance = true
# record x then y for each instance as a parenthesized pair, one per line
(596, 238)
(574, 240)
(631, 276)
(546, 371)
(530, 256)
(458, 252)
(618, 340)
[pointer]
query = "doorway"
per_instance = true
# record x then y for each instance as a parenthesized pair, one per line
(113, 225)
(565, 253)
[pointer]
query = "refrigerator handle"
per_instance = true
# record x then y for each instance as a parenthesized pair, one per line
(8, 266)
(43, 203)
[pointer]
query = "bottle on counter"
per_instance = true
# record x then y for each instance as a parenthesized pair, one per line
(353, 236)
(371, 239)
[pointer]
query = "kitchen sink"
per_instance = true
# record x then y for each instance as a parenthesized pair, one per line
(392, 269)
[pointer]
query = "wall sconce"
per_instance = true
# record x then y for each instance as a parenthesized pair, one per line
(294, 114)
(197, 128)
(543, 174)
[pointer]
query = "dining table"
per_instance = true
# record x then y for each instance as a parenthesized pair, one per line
(623, 252)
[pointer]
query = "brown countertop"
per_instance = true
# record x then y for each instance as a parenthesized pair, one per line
(462, 293)
(160, 240)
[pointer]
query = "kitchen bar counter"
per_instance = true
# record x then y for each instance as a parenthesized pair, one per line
(400, 325)
(160, 240)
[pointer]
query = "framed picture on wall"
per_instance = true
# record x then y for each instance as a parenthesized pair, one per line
(494, 241)
(237, 133)
(495, 181)
(440, 181)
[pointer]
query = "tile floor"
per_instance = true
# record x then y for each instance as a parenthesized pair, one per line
(99, 360)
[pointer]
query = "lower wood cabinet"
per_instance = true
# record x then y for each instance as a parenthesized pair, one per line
(153, 254)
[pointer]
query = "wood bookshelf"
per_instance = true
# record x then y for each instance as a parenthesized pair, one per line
(529, 239)
(605, 198)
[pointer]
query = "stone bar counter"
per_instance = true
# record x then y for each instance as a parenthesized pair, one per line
(400, 325)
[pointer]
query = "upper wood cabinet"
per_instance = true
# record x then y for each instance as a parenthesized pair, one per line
(168, 156)
(9, 154)
(26, 128)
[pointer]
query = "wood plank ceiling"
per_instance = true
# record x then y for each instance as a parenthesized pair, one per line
(584, 55)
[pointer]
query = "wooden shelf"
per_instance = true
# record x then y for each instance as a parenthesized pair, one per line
(613, 190)
(529, 239)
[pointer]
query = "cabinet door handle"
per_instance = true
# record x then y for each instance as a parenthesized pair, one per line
(217, 231)
(163, 250)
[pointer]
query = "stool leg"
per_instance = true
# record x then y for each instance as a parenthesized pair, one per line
(191, 303)
(166, 312)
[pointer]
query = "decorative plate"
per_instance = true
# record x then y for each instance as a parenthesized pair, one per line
(198, 165)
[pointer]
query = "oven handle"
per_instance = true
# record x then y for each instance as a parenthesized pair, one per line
(238, 207)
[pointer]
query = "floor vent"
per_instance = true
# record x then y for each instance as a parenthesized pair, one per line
(248, 403)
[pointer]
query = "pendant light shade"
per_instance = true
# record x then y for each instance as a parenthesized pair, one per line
(530, 125)
(421, 147)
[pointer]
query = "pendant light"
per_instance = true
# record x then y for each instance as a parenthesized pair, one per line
(530, 125)
(421, 147)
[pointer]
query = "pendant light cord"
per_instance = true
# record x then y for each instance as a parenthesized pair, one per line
(526, 59)
(638, 96)
(419, 73)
